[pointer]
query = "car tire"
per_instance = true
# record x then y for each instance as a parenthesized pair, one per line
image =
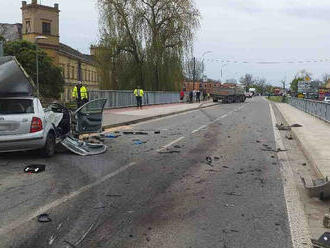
(49, 149)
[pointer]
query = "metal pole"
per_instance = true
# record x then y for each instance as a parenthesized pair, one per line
(194, 73)
(1, 48)
(37, 65)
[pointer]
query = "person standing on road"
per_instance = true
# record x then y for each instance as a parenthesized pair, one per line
(80, 94)
(138, 92)
(181, 95)
(198, 96)
(191, 96)
(204, 94)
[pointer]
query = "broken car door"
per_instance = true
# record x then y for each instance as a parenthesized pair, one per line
(89, 117)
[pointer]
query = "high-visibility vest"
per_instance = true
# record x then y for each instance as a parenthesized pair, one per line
(83, 92)
(138, 92)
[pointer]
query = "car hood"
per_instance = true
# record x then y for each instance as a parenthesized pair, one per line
(14, 81)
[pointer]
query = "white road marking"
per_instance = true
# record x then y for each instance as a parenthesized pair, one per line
(199, 129)
(170, 144)
(51, 240)
(21, 221)
(84, 236)
(297, 220)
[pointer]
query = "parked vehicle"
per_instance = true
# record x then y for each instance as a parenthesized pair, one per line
(228, 94)
(248, 94)
(327, 99)
(26, 125)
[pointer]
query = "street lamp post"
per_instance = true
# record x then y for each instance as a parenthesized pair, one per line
(222, 66)
(37, 61)
(203, 55)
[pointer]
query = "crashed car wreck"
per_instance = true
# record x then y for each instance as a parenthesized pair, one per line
(26, 125)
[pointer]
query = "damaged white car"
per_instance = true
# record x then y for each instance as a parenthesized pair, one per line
(25, 125)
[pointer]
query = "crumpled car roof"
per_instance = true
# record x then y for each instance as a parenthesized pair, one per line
(14, 81)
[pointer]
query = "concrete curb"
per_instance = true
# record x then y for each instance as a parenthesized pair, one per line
(126, 123)
(304, 148)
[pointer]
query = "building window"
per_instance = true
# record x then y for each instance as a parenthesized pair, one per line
(73, 75)
(68, 72)
(27, 27)
(46, 28)
(62, 70)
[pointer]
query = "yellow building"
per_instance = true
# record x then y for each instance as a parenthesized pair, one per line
(40, 20)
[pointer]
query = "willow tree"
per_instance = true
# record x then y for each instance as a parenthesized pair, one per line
(149, 38)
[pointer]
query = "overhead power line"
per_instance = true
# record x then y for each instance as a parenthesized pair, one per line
(269, 62)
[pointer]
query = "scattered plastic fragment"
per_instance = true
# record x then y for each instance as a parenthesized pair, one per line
(209, 160)
(323, 242)
(44, 218)
(35, 168)
(112, 136)
(114, 195)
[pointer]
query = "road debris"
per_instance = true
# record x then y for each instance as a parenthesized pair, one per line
(83, 148)
(282, 127)
(229, 205)
(317, 188)
(169, 151)
(232, 193)
(323, 242)
(44, 218)
(209, 160)
(326, 221)
(289, 136)
(112, 136)
(110, 195)
(35, 168)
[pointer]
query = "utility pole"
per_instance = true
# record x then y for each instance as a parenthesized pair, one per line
(194, 71)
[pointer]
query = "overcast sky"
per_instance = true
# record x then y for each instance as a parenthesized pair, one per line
(235, 30)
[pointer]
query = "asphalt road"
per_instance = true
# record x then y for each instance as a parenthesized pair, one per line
(162, 193)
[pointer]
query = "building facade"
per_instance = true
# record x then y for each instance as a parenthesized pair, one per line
(40, 21)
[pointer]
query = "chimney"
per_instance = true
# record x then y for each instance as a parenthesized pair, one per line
(34, 1)
(23, 4)
(56, 6)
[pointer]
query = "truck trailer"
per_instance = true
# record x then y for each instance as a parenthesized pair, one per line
(228, 93)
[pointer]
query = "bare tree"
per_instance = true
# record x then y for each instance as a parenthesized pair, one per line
(247, 81)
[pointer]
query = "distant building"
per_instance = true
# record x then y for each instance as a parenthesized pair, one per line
(41, 20)
(11, 32)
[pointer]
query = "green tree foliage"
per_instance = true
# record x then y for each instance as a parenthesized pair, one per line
(144, 42)
(50, 77)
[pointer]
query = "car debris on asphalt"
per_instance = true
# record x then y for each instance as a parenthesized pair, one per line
(44, 218)
(35, 168)
(322, 242)
(317, 188)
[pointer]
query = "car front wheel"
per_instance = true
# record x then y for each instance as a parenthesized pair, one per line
(49, 148)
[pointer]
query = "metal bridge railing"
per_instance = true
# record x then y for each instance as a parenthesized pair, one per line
(315, 108)
(125, 98)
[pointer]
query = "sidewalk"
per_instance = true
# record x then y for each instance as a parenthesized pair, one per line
(127, 116)
(314, 137)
